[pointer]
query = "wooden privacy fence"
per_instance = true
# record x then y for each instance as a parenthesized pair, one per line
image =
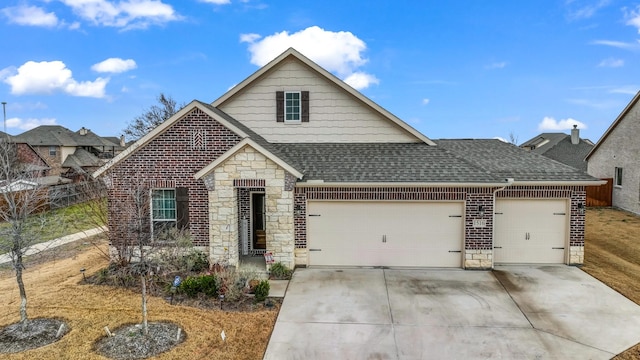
(600, 195)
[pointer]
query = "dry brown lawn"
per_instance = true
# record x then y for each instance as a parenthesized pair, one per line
(54, 291)
(612, 255)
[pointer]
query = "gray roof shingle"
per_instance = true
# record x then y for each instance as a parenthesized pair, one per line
(381, 162)
(509, 161)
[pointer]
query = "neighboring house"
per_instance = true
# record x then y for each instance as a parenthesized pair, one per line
(295, 162)
(617, 155)
(68, 153)
(567, 149)
(28, 158)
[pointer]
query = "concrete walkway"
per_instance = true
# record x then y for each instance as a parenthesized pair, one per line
(514, 312)
(5, 258)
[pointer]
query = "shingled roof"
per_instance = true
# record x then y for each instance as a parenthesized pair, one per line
(509, 161)
(381, 162)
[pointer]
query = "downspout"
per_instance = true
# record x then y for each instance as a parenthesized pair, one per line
(493, 220)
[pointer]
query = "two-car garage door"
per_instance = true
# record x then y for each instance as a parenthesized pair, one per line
(389, 233)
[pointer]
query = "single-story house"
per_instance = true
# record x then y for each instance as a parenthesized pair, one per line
(617, 155)
(295, 162)
(567, 149)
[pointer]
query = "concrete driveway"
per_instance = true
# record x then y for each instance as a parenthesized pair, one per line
(514, 312)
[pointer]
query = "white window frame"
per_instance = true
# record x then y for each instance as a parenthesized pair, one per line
(617, 176)
(299, 107)
(163, 219)
(53, 150)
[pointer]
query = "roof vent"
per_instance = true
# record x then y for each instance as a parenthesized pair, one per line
(575, 135)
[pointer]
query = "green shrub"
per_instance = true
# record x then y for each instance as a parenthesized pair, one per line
(279, 271)
(209, 285)
(194, 285)
(195, 261)
(190, 286)
(262, 290)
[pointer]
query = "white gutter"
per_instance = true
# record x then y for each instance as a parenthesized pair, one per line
(510, 182)
(560, 183)
(320, 183)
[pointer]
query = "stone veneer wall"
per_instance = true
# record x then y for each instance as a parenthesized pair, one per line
(247, 163)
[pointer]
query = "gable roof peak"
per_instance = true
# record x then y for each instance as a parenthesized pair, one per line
(291, 52)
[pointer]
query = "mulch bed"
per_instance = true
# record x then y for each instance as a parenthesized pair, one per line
(129, 341)
(39, 332)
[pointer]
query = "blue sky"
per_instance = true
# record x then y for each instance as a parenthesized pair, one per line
(451, 69)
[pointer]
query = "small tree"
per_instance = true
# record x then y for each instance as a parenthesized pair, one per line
(133, 243)
(152, 117)
(21, 200)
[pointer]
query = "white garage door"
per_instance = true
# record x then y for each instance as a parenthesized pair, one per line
(530, 231)
(360, 233)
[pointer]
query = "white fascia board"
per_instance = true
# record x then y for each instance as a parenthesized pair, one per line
(316, 183)
(341, 84)
(161, 128)
(560, 183)
(239, 146)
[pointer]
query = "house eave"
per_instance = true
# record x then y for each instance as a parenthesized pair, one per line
(143, 141)
(247, 142)
(341, 84)
(560, 183)
(316, 183)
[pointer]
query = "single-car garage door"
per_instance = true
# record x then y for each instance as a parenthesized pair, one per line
(370, 233)
(530, 231)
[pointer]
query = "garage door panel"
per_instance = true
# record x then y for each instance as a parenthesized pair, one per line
(530, 231)
(357, 233)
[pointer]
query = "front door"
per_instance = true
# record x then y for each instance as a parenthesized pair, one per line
(258, 221)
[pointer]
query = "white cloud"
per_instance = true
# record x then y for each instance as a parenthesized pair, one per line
(114, 65)
(425, 101)
(580, 10)
(551, 124)
(339, 52)
(360, 80)
(617, 44)
(249, 38)
(47, 77)
(28, 124)
(497, 65)
(216, 2)
(30, 16)
(629, 90)
(501, 139)
(633, 18)
(611, 62)
(126, 14)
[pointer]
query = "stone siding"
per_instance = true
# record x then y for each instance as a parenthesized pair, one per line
(247, 163)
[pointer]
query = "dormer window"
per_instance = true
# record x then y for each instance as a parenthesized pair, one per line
(292, 106)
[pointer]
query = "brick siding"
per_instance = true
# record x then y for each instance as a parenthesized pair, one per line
(174, 156)
(476, 238)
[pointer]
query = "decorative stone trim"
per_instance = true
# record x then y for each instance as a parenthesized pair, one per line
(249, 183)
(289, 182)
(210, 182)
(478, 259)
(162, 184)
(576, 255)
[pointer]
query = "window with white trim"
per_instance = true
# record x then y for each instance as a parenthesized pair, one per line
(292, 106)
(617, 178)
(163, 210)
(53, 150)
